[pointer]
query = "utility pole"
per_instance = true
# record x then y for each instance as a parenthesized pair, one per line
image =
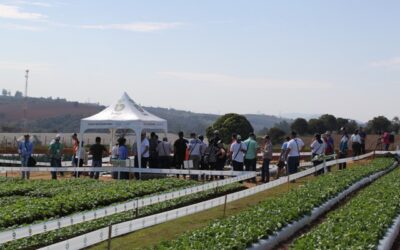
(26, 101)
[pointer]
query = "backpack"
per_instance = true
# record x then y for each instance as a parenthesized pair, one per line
(391, 138)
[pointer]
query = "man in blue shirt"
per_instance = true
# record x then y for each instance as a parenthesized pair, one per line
(25, 149)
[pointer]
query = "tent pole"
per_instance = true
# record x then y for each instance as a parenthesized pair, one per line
(80, 138)
(139, 149)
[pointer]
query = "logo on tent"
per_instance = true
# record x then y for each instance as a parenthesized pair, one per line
(119, 107)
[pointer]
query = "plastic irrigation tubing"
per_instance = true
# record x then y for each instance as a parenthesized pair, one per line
(81, 217)
(289, 230)
(98, 236)
(391, 235)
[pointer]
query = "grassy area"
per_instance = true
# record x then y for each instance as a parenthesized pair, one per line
(170, 230)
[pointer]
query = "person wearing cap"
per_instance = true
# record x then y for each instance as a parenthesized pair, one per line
(292, 154)
(267, 157)
(237, 151)
(25, 150)
(55, 152)
(250, 158)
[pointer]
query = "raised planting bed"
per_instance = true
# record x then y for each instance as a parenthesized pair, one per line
(362, 222)
(24, 202)
(52, 237)
(264, 220)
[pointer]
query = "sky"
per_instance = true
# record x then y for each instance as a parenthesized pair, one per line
(242, 56)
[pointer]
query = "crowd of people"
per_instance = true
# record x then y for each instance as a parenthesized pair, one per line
(241, 155)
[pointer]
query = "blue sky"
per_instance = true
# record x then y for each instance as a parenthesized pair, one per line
(271, 57)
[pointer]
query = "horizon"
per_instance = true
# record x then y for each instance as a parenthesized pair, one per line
(274, 58)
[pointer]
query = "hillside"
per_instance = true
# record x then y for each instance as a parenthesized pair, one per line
(53, 115)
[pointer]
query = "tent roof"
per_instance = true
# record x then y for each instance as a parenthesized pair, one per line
(124, 113)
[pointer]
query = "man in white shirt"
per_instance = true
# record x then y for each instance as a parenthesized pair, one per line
(237, 151)
(293, 153)
(144, 151)
(356, 143)
(164, 150)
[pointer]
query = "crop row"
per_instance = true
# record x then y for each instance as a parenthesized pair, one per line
(82, 228)
(31, 201)
(362, 222)
(241, 230)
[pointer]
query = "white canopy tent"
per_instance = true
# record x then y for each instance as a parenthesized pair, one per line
(124, 114)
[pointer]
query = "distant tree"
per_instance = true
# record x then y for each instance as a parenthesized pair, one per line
(378, 124)
(18, 94)
(4, 92)
(263, 131)
(341, 122)
(229, 124)
(300, 125)
(277, 135)
(351, 126)
(329, 121)
(316, 126)
(283, 125)
(395, 124)
(9, 93)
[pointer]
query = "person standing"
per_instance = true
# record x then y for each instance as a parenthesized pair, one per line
(317, 151)
(144, 153)
(194, 147)
(250, 158)
(25, 150)
(281, 161)
(55, 150)
(180, 146)
(153, 156)
(203, 150)
(329, 145)
(356, 143)
(386, 141)
(122, 157)
(221, 157)
(97, 151)
(114, 152)
(237, 151)
(343, 148)
(164, 150)
(363, 137)
(267, 157)
(292, 154)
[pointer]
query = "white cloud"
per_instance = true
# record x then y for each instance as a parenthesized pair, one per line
(14, 12)
(39, 4)
(392, 62)
(247, 83)
(137, 27)
(20, 27)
